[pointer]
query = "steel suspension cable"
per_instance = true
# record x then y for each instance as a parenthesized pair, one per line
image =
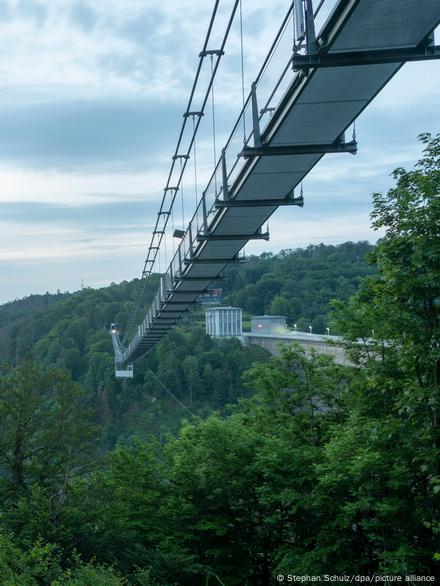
(149, 262)
(187, 113)
(260, 74)
(263, 68)
(318, 8)
(153, 249)
(245, 103)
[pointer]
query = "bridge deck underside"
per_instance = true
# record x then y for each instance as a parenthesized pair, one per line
(316, 109)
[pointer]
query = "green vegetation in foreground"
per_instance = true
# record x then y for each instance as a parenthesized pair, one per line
(320, 469)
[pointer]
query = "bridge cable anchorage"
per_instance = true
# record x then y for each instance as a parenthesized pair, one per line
(303, 21)
(298, 24)
(212, 52)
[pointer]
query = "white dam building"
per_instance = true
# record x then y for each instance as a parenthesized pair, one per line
(223, 322)
(270, 332)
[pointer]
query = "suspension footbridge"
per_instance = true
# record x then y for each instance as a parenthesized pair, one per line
(344, 52)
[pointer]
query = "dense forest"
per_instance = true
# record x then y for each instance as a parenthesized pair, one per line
(277, 466)
(71, 331)
(299, 284)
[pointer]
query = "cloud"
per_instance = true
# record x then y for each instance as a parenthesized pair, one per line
(301, 228)
(99, 134)
(134, 212)
(79, 189)
(5, 11)
(31, 9)
(83, 15)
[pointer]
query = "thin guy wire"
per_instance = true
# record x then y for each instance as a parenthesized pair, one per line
(171, 394)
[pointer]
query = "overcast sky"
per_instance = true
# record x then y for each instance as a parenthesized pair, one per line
(91, 104)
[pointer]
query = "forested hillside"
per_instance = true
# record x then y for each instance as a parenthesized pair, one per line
(71, 331)
(317, 469)
(299, 284)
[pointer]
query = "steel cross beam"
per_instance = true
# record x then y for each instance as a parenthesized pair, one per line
(251, 203)
(177, 311)
(372, 57)
(199, 292)
(183, 303)
(226, 237)
(300, 149)
(189, 292)
(210, 261)
(168, 318)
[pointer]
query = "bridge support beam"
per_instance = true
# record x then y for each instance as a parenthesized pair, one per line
(301, 62)
(265, 150)
(210, 261)
(227, 237)
(166, 311)
(198, 292)
(251, 203)
(203, 279)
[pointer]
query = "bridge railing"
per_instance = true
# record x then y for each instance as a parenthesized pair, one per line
(274, 79)
(272, 82)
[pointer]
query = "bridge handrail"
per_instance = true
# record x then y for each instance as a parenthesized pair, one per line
(206, 211)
